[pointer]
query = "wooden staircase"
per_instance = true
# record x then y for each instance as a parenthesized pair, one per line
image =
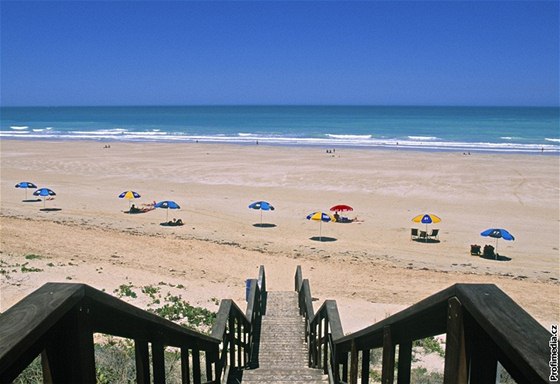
(281, 355)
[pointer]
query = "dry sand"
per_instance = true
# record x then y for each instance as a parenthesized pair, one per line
(371, 267)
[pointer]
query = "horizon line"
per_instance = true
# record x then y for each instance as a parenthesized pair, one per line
(280, 105)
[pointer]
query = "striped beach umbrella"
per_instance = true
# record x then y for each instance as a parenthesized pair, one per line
(129, 195)
(426, 218)
(320, 217)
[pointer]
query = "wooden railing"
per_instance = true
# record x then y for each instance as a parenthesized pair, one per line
(58, 322)
(483, 326)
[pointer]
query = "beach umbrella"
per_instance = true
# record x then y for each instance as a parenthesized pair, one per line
(497, 233)
(26, 185)
(320, 217)
(129, 195)
(262, 206)
(341, 208)
(426, 218)
(167, 204)
(44, 192)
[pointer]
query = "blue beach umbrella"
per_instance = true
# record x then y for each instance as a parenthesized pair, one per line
(262, 206)
(320, 217)
(497, 233)
(44, 192)
(26, 185)
(167, 204)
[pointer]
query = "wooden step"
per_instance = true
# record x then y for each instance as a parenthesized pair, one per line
(282, 351)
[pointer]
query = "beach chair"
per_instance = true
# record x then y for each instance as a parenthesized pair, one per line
(475, 249)
(434, 234)
(413, 233)
(423, 235)
(488, 252)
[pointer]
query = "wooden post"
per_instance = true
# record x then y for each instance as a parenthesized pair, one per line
(142, 357)
(239, 344)
(69, 353)
(185, 366)
(335, 364)
(353, 364)
(365, 366)
(231, 341)
(196, 366)
(312, 345)
(158, 361)
(208, 359)
(319, 344)
(405, 360)
(482, 353)
(326, 347)
(345, 367)
(388, 369)
(455, 371)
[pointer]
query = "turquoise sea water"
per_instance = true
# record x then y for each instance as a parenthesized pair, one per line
(502, 129)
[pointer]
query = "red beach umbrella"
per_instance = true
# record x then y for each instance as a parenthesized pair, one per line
(341, 208)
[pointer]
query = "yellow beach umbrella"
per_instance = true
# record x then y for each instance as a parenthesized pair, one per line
(129, 195)
(320, 217)
(427, 218)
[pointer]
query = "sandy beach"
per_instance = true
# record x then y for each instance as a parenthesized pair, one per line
(371, 267)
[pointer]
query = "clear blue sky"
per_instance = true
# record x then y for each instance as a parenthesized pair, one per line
(182, 53)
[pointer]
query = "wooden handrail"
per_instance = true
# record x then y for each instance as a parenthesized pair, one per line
(483, 326)
(58, 321)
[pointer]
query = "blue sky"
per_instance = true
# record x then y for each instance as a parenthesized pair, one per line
(373, 53)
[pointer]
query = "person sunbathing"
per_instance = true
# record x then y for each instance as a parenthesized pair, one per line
(175, 222)
(133, 209)
(143, 209)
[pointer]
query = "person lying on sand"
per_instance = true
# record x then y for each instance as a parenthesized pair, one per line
(344, 219)
(145, 208)
(175, 223)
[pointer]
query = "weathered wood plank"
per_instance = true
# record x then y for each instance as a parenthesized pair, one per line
(455, 371)
(298, 279)
(353, 364)
(70, 352)
(334, 319)
(520, 339)
(388, 367)
(425, 318)
(24, 325)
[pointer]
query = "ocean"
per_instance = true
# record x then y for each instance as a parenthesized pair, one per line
(495, 129)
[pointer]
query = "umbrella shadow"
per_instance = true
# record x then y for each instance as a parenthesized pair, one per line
(264, 225)
(420, 240)
(50, 209)
(323, 239)
(496, 258)
(30, 200)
